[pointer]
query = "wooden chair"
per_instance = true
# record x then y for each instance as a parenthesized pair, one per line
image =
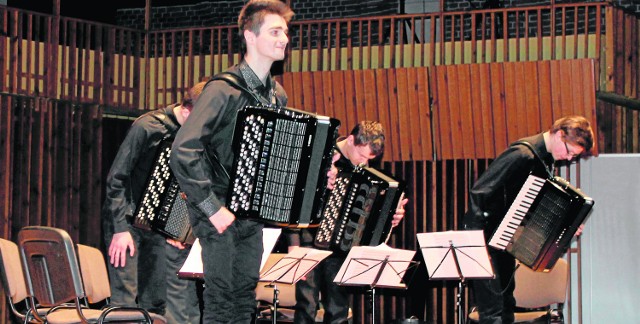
(95, 279)
(539, 295)
(13, 283)
(53, 278)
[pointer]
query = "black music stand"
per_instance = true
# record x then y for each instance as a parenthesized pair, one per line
(456, 255)
(290, 269)
(375, 266)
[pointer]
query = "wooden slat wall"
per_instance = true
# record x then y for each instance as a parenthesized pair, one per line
(506, 102)
(398, 98)
(78, 60)
(621, 77)
(52, 167)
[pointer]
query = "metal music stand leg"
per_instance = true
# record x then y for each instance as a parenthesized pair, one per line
(274, 310)
(372, 296)
(459, 304)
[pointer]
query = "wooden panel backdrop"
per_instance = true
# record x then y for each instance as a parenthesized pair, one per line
(478, 109)
(50, 166)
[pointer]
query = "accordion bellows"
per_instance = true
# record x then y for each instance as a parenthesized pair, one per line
(359, 210)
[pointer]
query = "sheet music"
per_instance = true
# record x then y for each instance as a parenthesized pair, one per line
(380, 266)
(294, 265)
(470, 249)
(192, 267)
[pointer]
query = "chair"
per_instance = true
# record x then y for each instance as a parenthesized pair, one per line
(286, 297)
(536, 293)
(95, 278)
(13, 282)
(53, 278)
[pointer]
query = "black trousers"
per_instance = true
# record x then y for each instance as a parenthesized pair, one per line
(319, 281)
(494, 297)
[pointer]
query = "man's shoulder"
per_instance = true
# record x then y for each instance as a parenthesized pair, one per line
(155, 121)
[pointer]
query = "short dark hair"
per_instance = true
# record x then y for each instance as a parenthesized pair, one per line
(575, 130)
(369, 133)
(192, 95)
(252, 15)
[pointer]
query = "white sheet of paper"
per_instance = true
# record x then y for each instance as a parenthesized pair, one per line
(470, 249)
(294, 265)
(192, 267)
(364, 266)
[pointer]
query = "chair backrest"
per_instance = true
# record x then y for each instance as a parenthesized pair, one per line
(94, 273)
(287, 293)
(539, 289)
(11, 272)
(50, 265)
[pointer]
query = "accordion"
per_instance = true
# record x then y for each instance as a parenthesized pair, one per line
(541, 222)
(162, 209)
(282, 156)
(359, 210)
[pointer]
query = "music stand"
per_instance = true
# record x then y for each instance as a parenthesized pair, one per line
(456, 255)
(290, 269)
(375, 266)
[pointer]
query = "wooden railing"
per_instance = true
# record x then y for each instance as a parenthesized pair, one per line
(71, 59)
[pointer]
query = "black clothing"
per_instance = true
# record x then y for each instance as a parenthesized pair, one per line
(335, 298)
(201, 155)
(141, 281)
(495, 190)
(201, 160)
(128, 174)
(490, 198)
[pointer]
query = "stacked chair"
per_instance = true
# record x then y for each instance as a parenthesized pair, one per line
(54, 280)
(15, 288)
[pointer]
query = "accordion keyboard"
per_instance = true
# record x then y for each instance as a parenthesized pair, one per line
(517, 212)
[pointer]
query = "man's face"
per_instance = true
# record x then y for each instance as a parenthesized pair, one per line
(272, 40)
(564, 150)
(361, 154)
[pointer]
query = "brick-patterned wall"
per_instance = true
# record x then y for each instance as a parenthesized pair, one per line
(196, 15)
(461, 5)
(225, 12)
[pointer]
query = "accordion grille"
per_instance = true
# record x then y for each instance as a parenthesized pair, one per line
(266, 175)
(153, 196)
(332, 212)
(550, 211)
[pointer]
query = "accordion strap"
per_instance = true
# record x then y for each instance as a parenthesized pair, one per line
(535, 152)
(162, 117)
(239, 84)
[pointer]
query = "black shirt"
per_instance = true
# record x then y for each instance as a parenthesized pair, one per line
(131, 167)
(201, 156)
(495, 190)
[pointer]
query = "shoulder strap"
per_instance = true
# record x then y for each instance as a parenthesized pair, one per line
(535, 152)
(161, 117)
(237, 83)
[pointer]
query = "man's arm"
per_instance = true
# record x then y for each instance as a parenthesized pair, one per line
(190, 161)
(486, 195)
(119, 204)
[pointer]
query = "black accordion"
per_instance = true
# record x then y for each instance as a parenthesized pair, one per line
(359, 210)
(282, 156)
(541, 222)
(161, 208)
